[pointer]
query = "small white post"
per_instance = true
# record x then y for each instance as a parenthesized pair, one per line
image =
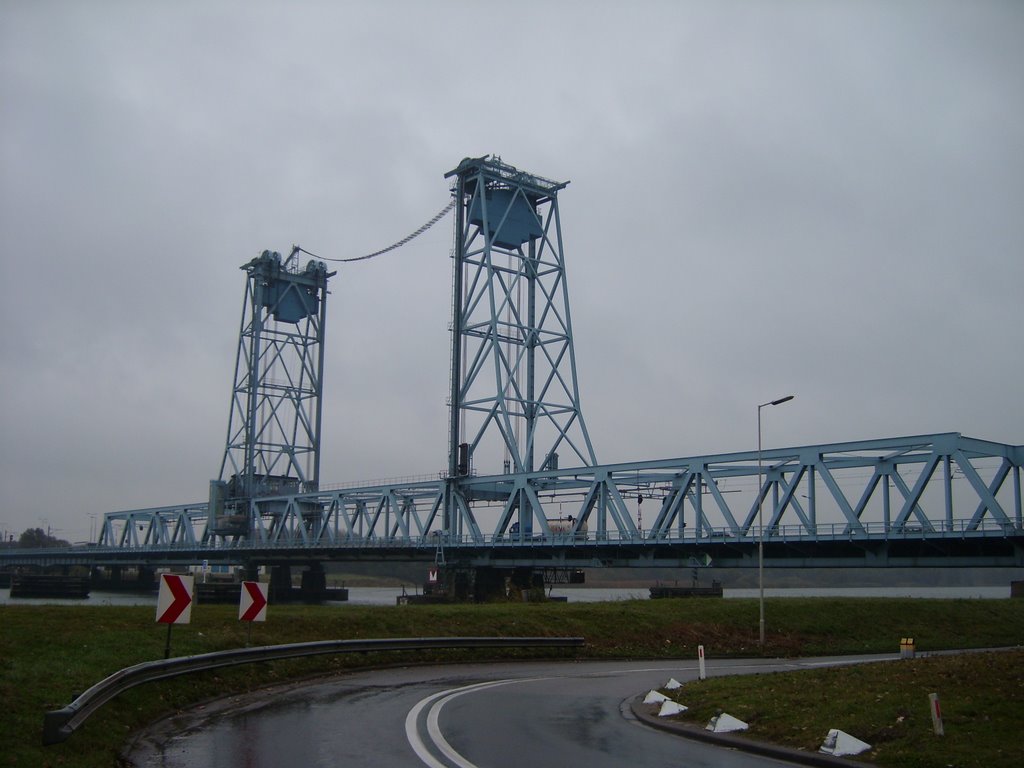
(933, 701)
(701, 672)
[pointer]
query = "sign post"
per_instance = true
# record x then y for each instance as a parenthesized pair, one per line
(174, 603)
(252, 606)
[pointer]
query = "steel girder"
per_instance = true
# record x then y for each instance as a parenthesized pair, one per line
(182, 526)
(930, 487)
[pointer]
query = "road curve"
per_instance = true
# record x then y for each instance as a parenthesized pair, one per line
(463, 716)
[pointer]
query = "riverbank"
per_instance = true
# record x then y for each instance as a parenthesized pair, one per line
(377, 595)
(48, 653)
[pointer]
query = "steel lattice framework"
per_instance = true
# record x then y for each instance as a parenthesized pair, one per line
(273, 439)
(513, 366)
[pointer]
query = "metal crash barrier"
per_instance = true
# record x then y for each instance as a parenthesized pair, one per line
(59, 724)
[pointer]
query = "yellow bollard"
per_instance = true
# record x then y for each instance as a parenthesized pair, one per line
(907, 648)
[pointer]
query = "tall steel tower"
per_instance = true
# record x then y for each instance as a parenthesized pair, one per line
(273, 440)
(513, 368)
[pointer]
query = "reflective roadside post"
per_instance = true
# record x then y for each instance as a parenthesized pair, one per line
(760, 521)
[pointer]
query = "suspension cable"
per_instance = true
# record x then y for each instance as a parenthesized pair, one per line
(440, 215)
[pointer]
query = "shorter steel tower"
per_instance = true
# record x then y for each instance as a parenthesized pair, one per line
(273, 440)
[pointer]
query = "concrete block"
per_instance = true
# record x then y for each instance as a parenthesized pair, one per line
(839, 743)
(670, 708)
(724, 723)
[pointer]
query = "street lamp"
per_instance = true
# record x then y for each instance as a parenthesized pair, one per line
(760, 523)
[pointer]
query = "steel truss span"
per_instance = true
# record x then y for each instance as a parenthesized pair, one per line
(929, 499)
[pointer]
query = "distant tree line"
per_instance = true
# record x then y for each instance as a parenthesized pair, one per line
(37, 538)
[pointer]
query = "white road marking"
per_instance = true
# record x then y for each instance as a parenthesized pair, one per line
(412, 732)
(434, 729)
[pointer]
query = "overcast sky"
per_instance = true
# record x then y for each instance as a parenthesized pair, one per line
(822, 199)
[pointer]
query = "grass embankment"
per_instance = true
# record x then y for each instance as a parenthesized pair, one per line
(49, 653)
(884, 704)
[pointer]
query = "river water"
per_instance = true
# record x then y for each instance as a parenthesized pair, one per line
(389, 595)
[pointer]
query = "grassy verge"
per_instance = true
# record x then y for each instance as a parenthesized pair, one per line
(49, 653)
(885, 705)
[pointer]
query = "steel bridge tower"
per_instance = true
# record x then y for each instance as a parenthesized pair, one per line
(273, 439)
(513, 367)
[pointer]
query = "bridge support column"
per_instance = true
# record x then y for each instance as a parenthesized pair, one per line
(314, 583)
(488, 584)
(526, 585)
(146, 578)
(280, 583)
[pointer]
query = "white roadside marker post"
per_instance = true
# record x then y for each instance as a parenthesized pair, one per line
(933, 702)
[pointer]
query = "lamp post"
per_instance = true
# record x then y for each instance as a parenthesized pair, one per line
(760, 522)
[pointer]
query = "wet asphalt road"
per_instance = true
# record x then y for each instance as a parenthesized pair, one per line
(485, 716)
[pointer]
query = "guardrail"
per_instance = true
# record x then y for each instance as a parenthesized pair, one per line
(59, 724)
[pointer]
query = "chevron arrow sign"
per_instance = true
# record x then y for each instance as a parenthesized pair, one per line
(252, 605)
(174, 602)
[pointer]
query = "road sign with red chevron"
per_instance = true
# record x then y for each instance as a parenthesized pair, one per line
(174, 602)
(252, 605)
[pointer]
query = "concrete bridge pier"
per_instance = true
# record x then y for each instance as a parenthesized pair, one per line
(314, 583)
(526, 584)
(485, 584)
(146, 578)
(488, 584)
(280, 583)
(111, 578)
